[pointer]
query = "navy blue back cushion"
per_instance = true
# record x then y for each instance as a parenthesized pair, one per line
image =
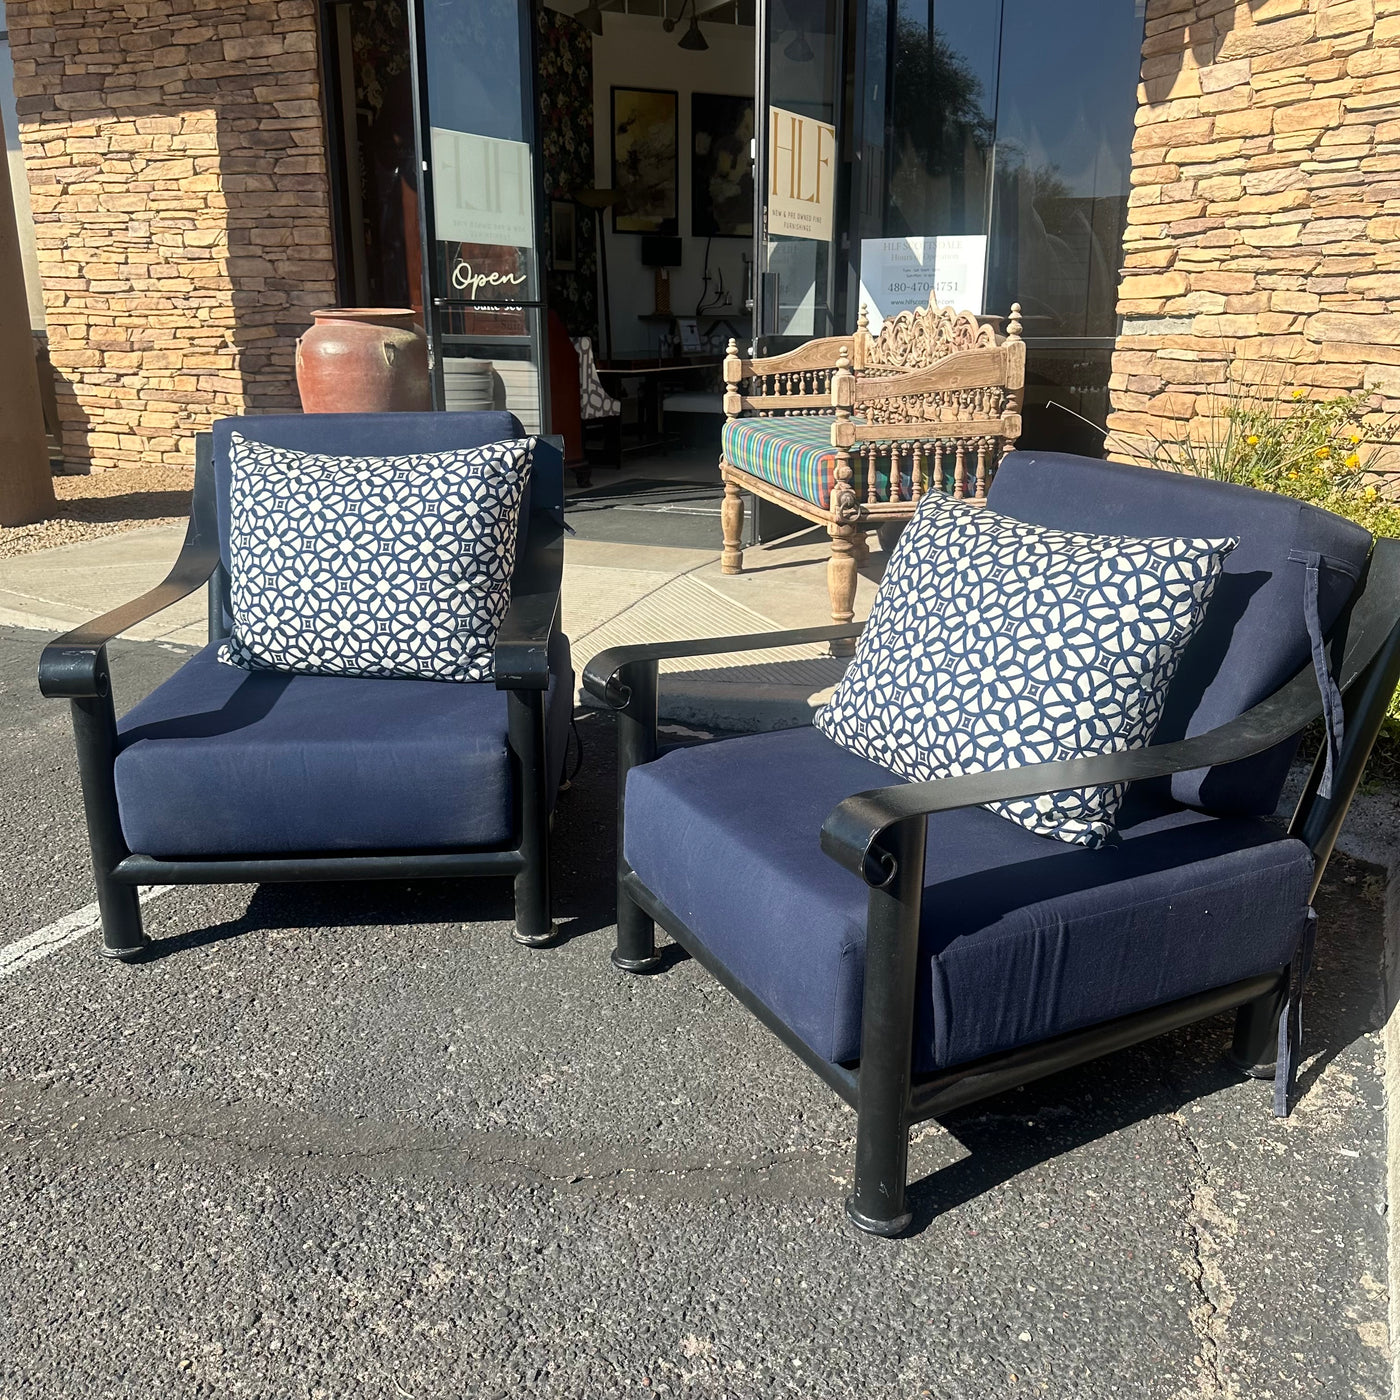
(1254, 637)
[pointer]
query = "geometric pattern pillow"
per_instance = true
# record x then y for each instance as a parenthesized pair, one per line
(994, 644)
(372, 566)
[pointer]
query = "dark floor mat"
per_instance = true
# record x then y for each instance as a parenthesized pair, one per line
(648, 493)
(656, 527)
(678, 514)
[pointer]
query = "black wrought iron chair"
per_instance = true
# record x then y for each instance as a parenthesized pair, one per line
(920, 952)
(228, 776)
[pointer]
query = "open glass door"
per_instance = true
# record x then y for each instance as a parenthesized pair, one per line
(473, 66)
(798, 186)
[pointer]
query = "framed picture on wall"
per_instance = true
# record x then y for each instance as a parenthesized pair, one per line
(721, 166)
(563, 236)
(644, 160)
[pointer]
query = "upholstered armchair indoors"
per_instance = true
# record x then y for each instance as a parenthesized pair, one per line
(598, 409)
(246, 775)
(919, 951)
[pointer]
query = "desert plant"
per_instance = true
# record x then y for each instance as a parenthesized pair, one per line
(1318, 450)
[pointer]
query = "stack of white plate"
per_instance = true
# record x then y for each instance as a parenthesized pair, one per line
(469, 386)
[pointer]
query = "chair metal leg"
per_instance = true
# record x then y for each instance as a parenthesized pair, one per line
(123, 935)
(636, 937)
(636, 744)
(877, 1205)
(534, 924)
(95, 732)
(1254, 1050)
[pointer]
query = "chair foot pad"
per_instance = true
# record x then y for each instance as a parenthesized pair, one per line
(636, 964)
(536, 940)
(1261, 1071)
(126, 955)
(886, 1229)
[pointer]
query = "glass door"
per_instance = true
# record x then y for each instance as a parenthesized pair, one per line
(473, 69)
(799, 184)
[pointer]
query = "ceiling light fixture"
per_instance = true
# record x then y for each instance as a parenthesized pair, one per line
(692, 39)
(591, 17)
(799, 51)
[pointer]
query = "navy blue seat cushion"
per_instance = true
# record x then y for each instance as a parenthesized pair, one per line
(224, 762)
(1024, 937)
(1254, 636)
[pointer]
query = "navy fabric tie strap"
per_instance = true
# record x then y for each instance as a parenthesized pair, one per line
(1332, 721)
(1290, 1021)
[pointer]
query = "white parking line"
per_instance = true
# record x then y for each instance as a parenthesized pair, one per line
(34, 947)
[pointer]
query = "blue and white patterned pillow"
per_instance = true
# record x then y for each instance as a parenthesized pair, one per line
(994, 644)
(372, 566)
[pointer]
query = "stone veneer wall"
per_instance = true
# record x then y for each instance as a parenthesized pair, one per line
(175, 151)
(1264, 226)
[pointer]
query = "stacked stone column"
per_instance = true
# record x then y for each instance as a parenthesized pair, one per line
(176, 159)
(1263, 237)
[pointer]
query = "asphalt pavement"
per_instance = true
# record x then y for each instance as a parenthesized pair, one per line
(346, 1140)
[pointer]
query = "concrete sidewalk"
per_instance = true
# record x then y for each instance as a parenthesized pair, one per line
(613, 593)
(55, 589)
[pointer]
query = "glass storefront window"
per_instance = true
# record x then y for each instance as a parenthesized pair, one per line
(368, 79)
(1063, 136)
(938, 117)
(994, 152)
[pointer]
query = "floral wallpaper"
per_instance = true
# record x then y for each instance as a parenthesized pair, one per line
(565, 86)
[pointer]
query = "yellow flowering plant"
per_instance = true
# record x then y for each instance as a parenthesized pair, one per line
(1319, 450)
(1323, 451)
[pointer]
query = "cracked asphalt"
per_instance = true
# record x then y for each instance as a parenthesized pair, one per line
(354, 1141)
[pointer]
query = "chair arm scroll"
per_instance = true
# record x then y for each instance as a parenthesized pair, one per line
(853, 835)
(74, 667)
(603, 678)
(521, 657)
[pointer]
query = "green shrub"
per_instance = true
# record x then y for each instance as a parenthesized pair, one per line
(1319, 450)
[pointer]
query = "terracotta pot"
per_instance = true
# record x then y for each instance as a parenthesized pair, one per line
(363, 360)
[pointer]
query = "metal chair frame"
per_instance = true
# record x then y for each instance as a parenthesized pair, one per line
(75, 668)
(879, 836)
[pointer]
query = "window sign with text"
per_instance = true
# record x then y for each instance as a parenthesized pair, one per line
(900, 274)
(484, 216)
(801, 176)
(482, 190)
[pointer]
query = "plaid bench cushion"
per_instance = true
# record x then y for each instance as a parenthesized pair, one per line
(793, 453)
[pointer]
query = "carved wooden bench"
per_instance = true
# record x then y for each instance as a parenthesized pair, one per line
(850, 431)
